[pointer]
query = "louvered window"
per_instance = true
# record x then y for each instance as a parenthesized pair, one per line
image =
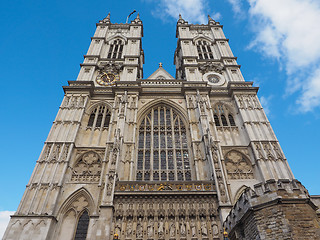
(223, 117)
(204, 50)
(99, 117)
(116, 49)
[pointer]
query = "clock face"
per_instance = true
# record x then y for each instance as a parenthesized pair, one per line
(107, 78)
(213, 78)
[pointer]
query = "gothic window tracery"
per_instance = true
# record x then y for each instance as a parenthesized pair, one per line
(204, 50)
(99, 117)
(116, 49)
(162, 147)
(223, 116)
(87, 168)
(238, 167)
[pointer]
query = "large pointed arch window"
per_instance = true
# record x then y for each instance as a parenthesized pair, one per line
(204, 50)
(163, 153)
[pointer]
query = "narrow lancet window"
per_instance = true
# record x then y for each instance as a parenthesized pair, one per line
(82, 227)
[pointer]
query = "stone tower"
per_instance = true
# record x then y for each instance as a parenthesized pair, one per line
(162, 157)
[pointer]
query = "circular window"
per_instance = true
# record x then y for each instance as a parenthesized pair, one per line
(214, 78)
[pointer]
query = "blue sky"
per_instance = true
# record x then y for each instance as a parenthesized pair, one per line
(43, 43)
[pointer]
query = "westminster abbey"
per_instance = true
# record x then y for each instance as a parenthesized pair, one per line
(187, 157)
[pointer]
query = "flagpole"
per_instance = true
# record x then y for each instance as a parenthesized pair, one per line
(130, 15)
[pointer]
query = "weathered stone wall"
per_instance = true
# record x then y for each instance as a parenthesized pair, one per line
(276, 211)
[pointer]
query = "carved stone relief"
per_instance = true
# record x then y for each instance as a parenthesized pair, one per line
(170, 220)
(87, 168)
(237, 166)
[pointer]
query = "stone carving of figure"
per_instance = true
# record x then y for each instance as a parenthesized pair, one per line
(204, 230)
(118, 226)
(129, 228)
(161, 228)
(172, 229)
(215, 229)
(182, 227)
(139, 228)
(150, 228)
(193, 227)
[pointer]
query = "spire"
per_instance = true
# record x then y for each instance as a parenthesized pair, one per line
(181, 20)
(106, 19)
(210, 21)
(137, 19)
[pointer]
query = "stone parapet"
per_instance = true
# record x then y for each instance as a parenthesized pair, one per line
(273, 210)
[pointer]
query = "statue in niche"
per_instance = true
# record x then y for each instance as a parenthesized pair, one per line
(182, 227)
(172, 228)
(129, 228)
(193, 227)
(150, 228)
(215, 229)
(161, 228)
(139, 228)
(204, 230)
(118, 226)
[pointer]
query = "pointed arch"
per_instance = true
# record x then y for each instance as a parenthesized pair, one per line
(68, 203)
(239, 192)
(201, 37)
(181, 111)
(110, 39)
(71, 210)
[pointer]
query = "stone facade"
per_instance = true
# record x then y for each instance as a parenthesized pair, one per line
(161, 157)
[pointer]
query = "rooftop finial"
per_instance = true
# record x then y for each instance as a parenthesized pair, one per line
(210, 20)
(181, 20)
(160, 65)
(106, 19)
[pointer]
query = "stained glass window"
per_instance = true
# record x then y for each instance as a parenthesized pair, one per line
(163, 147)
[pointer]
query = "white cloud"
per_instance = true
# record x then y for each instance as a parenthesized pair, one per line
(194, 11)
(288, 30)
(4, 220)
(236, 6)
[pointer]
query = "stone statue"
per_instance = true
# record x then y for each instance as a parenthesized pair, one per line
(204, 230)
(129, 228)
(150, 228)
(161, 228)
(118, 226)
(182, 227)
(139, 228)
(172, 229)
(193, 227)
